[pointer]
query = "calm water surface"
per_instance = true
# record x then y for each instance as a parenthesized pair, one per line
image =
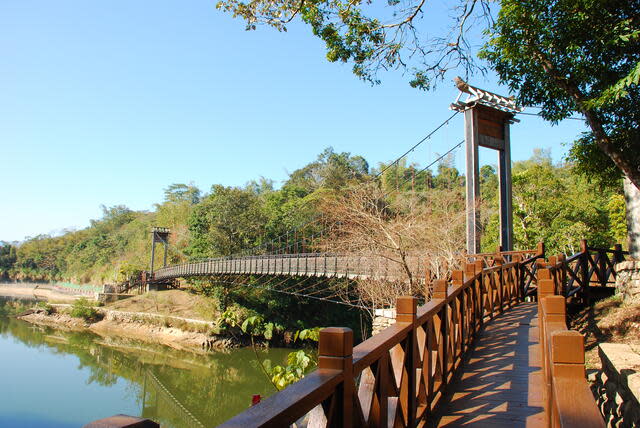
(53, 378)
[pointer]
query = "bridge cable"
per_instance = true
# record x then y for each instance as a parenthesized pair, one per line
(373, 178)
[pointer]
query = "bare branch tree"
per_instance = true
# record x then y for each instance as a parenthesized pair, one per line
(407, 239)
(379, 37)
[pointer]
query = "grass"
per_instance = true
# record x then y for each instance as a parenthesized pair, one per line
(178, 303)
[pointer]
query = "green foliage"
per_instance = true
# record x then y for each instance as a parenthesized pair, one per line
(178, 192)
(553, 203)
(591, 162)
(308, 334)
(256, 326)
(298, 364)
(226, 221)
(617, 217)
(7, 257)
(557, 205)
(618, 90)
(12, 307)
(82, 308)
(229, 318)
(572, 56)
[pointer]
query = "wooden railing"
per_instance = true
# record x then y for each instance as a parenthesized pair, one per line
(569, 401)
(528, 264)
(397, 377)
(577, 275)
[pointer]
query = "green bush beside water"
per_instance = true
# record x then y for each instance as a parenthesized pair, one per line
(82, 308)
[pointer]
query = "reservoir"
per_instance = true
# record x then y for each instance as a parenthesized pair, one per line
(64, 379)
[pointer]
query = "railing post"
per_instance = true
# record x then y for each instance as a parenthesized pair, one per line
(519, 279)
(567, 361)
(562, 274)
(406, 310)
(546, 286)
(584, 272)
(584, 247)
(553, 310)
(540, 250)
(440, 291)
(470, 270)
(457, 278)
(617, 255)
(499, 261)
(335, 352)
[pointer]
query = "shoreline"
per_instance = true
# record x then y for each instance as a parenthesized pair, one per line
(177, 332)
(134, 326)
(186, 334)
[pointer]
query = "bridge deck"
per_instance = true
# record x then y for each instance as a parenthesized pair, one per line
(501, 385)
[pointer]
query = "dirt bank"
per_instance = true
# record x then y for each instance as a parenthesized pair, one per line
(609, 320)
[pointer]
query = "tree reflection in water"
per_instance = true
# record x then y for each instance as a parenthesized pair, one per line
(176, 388)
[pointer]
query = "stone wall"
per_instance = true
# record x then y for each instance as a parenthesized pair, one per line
(383, 318)
(616, 386)
(628, 281)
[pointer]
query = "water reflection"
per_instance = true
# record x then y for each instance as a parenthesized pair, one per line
(65, 379)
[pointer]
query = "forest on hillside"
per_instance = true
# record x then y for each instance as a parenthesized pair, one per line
(552, 203)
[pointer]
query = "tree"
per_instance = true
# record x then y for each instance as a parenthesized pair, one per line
(332, 170)
(7, 257)
(179, 192)
(374, 37)
(579, 56)
(227, 221)
(567, 56)
(398, 235)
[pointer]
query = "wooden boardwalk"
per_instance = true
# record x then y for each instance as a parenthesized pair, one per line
(501, 384)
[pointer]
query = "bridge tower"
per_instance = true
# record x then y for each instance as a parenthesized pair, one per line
(159, 235)
(487, 118)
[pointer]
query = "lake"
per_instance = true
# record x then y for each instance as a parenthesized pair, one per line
(59, 379)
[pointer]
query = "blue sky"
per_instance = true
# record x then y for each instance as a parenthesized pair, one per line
(108, 102)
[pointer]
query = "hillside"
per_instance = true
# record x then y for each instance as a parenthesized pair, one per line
(551, 204)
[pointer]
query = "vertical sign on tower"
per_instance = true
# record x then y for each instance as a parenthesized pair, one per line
(487, 117)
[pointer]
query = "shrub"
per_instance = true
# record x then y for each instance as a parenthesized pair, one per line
(82, 308)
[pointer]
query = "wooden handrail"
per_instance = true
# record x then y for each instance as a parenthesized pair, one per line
(402, 372)
(577, 274)
(290, 404)
(568, 398)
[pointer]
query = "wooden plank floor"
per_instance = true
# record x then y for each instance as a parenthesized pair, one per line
(501, 383)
